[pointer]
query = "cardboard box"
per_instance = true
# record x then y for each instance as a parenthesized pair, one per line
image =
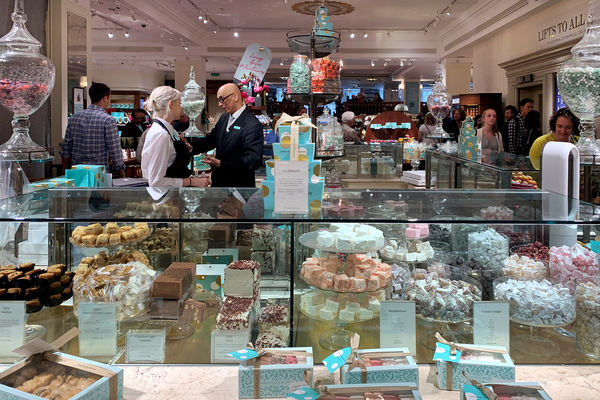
(209, 281)
(285, 133)
(220, 256)
(405, 371)
(314, 169)
(275, 380)
(498, 367)
(306, 152)
(223, 342)
(109, 386)
(530, 389)
(96, 174)
(407, 390)
(315, 194)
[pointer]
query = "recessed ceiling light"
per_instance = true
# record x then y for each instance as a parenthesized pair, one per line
(111, 35)
(214, 31)
(352, 35)
(235, 34)
(206, 20)
(366, 35)
(200, 17)
(126, 34)
(185, 47)
(281, 63)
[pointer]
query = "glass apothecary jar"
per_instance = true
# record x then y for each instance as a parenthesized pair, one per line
(438, 103)
(300, 75)
(192, 104)
(325, 76)
(26, 80)
(330, 138)
(587, 326)
(579, 85)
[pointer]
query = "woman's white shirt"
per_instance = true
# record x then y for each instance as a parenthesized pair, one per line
(158, 154)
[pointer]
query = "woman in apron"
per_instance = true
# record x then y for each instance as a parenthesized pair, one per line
(165, 156)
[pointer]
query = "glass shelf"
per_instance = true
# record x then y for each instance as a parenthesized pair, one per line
(300, 42)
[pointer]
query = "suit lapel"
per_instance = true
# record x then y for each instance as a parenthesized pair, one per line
(233, 133)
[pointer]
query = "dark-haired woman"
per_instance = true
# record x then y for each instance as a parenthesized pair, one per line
(565, 127)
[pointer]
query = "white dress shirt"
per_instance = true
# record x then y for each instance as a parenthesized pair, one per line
(158, 154)
(234, 116)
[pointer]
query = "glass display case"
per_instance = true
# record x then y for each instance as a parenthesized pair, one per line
(499, 171)
(375, 160)
(321, 276)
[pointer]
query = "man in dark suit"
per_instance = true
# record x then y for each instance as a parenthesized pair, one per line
(238, 139)
(136, 127)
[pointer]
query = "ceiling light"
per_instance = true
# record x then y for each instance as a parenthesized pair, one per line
(281, 63)
(126, 34)
(448, 13)
(372, 63)
(366, 35)
(200, 17)
(185, 47)
(214, 31)
(402, 63)
(235, 34)
(385, 64)
(206, 20)
(111, 35)
(352, 35)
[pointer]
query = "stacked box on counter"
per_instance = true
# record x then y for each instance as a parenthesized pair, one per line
(322, 25)
(264, 248)
(275, 373)
(508, 390)
(382, 366)
(35, 248)
(373, 391)
(467, 142)
(220, 256)
(89, 175)
(306, 152)
(238, 312)
(48, 184)
(171, 289)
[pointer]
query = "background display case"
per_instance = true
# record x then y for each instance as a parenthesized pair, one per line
(451, 171)
(461, 237)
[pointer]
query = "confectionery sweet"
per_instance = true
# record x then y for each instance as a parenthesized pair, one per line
(194, 311)
(488, 247)
(273, 315)
(166, 308)
(537, 302)
(173, 284)
(400, 278)
(443, 299)
(567, 264)
(266, 259)
(588, 317)
(235, 314)
(524, 267)
(349, 237)
(496, 213)
(242, 279)
(347, 308)
(535, 250)
(407, 251)
(460, 235)
(263, 238)
(474, 269)
(95, 235)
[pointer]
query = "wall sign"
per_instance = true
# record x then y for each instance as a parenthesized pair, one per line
(562, 28)
(256, 59)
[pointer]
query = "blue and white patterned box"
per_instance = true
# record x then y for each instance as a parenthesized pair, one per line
(405, 371)
(404, 389)
(491, 367)
(276, 380)
(99, 390)
(220, 256)
(526, 389)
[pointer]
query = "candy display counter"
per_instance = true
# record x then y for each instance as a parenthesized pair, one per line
(338, 268)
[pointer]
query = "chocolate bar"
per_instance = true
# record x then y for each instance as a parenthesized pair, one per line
(172, 284)
(194, 311)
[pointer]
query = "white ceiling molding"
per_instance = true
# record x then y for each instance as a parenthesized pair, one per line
(540, 62)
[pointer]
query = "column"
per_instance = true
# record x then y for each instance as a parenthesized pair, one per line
(548, 106)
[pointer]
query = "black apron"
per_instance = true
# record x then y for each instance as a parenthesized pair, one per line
(179, 167)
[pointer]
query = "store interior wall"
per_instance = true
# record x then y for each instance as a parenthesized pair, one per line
(36, 12)
(458, 77)
(515, 40)
(129, 80)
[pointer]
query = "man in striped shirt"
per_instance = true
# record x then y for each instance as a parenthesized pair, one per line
(92, 135)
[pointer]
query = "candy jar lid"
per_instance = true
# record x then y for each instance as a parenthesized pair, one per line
(19, 39)
(192, 104)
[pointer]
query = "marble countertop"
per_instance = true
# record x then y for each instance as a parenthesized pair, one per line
(218, 382)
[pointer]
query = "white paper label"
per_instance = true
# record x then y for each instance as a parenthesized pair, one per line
(223, 343)
(291, 187)
(97, 329)
(146, 346)
(397, 325)
(490, 323)
(12, 326)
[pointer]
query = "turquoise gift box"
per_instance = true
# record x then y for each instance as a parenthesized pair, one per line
(306, 152)
(314, 168)
(285, 133)
(315, 194)
(478, 364)
(88, 175)
(406, 370)
(220, 256)
(512, 389)
(404, 390)
(275, 380)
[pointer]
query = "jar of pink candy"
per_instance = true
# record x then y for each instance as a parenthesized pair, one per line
(568, 264)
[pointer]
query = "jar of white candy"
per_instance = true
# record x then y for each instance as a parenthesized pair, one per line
(587, 324)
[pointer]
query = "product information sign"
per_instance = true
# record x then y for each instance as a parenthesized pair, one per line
(256, 60)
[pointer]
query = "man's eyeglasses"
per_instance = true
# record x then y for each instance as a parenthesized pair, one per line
(222, 99)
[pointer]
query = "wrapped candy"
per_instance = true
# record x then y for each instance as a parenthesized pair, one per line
(568, 264)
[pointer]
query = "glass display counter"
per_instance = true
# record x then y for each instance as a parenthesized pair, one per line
(323, 275)
(498, 171)
(375, 160)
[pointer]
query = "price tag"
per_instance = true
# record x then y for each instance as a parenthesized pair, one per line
(291, 187)
(397, 325)
(490, 323)
(146, 346)
(12, 326)
(97, 329)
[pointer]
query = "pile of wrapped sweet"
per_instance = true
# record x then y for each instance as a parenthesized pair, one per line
(400, 278)
(359, 273)
(588, 317)
(524, 267)
(411, 251)
(568, 264)
(22, 97)
(95, 235)
(443, 299)
(273, 326)
(352, 308)
(537, 302)
(349, 237)
(488, 247)
(343, 209)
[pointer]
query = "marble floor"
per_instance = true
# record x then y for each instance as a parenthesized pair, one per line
(220, 382)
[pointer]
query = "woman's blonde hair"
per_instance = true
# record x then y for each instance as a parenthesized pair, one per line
(158, 102)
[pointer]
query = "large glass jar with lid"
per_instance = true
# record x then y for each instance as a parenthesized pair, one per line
(192, 104)
(330, 138)
(26, 80)
(579, 84)
(438, 103)
(300, 75)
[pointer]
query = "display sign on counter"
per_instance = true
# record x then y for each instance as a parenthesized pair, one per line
(291, 187)
(490, 323)
(98, 329)
(146, 346)
(397, 325)
(12, 326)
(256, 60)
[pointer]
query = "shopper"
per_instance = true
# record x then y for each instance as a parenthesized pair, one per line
(452, 124)
(92, 136)
(136, 127)
(427, 129)
(533, 127)
(509, 113)
(350, 134)
(564, 126)
(165, 156)
(489, 140)
(517, 133)
(238, 139)
(478, 121)
(182, 124)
